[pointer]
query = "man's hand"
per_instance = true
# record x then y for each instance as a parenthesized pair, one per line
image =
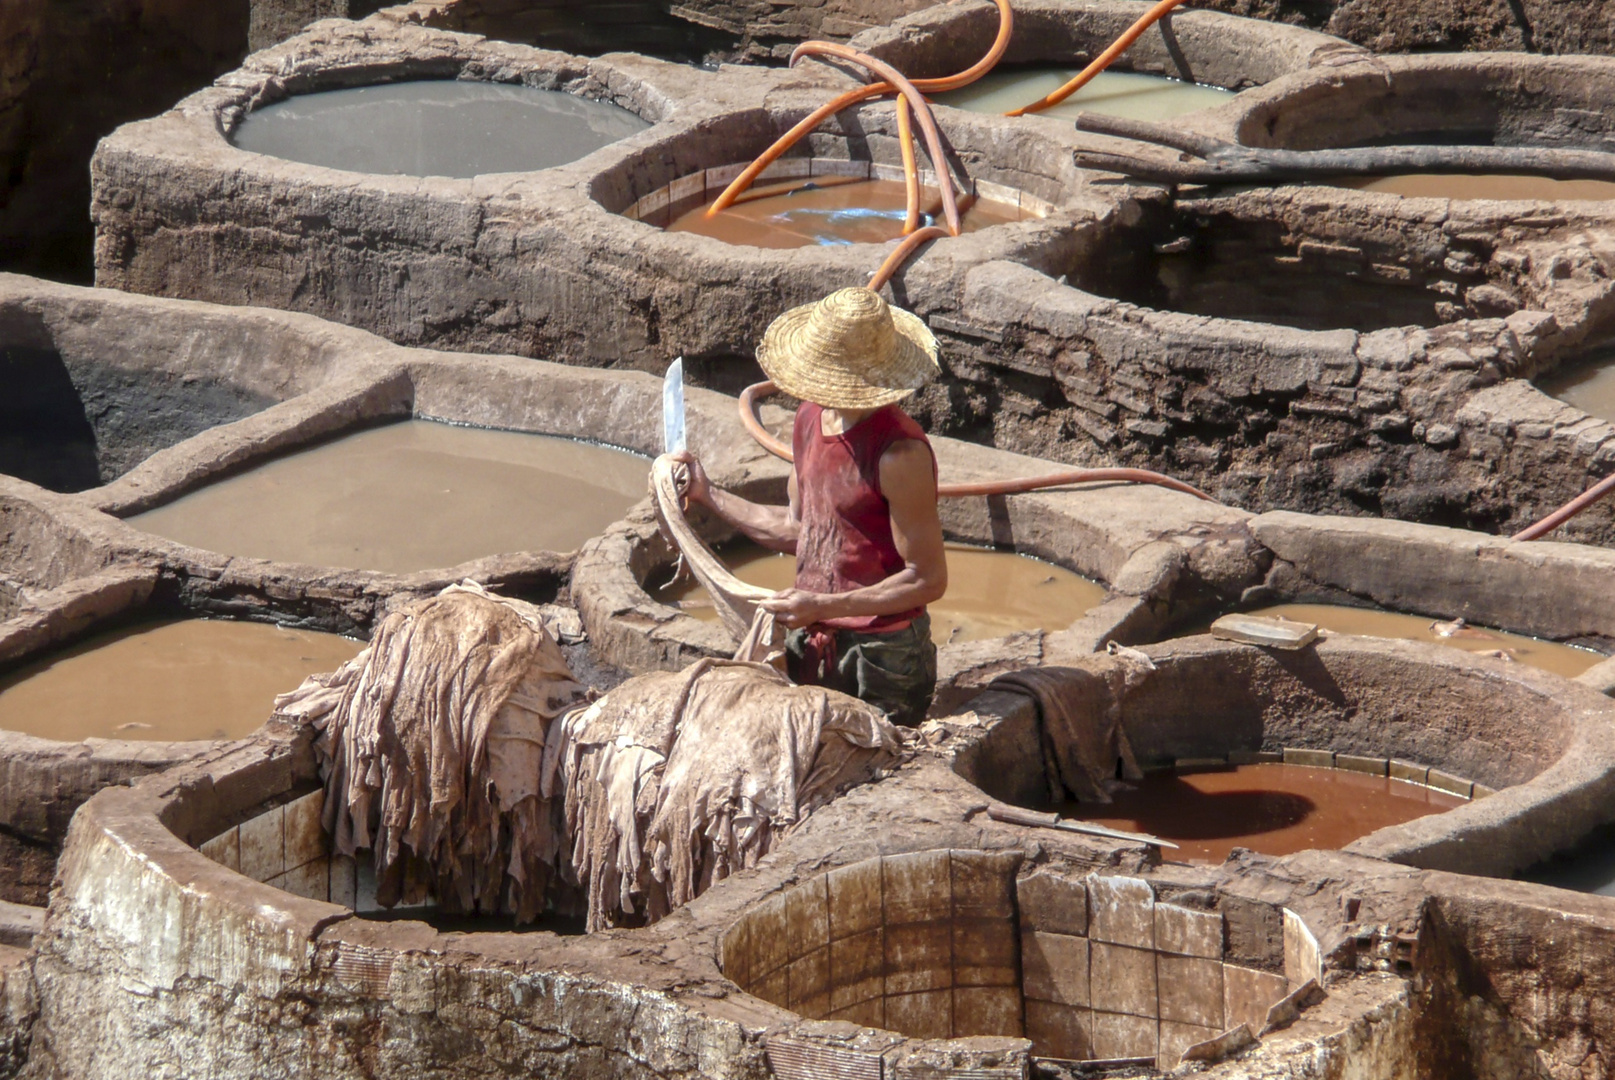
(696, 487)
(797, 607)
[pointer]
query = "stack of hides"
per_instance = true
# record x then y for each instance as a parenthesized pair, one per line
(459, 750)
(675, 780)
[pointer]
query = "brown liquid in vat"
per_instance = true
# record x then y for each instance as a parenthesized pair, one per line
(1271, 808)
(1564, 660)
(175, 681)
(1587, 382)
(411, 496)
(802, 213)
(1483, 186)
(990, 593)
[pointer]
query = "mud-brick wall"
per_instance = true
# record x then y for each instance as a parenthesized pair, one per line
(1547, 26)
(70, 72)
(771, 28)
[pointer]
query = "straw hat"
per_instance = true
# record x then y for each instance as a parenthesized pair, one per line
(851, 350)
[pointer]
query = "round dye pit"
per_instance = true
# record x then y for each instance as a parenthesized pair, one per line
(1272, 808)
(1114, 93)
(990, 593)
(1215, 259)
(171, 682)
(435, 128)
(1586, 382)
(1566, 660)
(827, 212)
(1468, 186)
(410, 496)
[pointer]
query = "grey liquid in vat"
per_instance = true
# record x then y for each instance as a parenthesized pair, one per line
(435, 128)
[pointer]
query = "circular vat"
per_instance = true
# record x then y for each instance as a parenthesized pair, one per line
(712, 299)
(952, 944)
(1192, 61)
(440, 127)
(426, 269)
(1502, 100)
(113, 672)
(1503, 756)
(1248, 259)
(639, 26)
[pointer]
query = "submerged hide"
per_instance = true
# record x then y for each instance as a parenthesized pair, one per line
(431, 745)
(675, 780)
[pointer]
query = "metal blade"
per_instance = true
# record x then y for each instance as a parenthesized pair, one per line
(673, 407)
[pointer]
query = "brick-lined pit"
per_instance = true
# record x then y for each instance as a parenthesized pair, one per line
(953, 944)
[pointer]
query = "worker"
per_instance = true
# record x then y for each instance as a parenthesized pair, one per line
(862, 519)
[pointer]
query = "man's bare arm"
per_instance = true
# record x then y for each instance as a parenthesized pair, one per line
(774, 527)
(909, 484)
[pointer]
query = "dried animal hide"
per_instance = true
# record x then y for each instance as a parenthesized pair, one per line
(675, 780)
(1081, 743)
(431, 745)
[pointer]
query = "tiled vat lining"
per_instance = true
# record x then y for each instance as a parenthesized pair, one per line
(1423, 775)
(286, 847)
(923, 944)
(689, 191)
(1110, 972)
(929, 945)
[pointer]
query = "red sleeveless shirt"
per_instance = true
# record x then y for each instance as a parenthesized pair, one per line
(845, 541)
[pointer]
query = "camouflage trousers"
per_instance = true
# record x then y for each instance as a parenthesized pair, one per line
(894, 672)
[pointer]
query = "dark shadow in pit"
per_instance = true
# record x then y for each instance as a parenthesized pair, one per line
(564, 925)
(593, 27)
(1226, 267)
(1173, 808)
(45, 437)
(1589, 867)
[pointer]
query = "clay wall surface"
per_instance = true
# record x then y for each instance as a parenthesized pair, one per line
(272, 21)
(586, 27)
(1391, 26)
(69, 74)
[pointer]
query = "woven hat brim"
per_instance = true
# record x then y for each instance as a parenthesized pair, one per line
(913, 364)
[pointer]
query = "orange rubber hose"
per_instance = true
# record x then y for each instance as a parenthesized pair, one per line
(922, 113)
(1567, 511)
(901, 253)
(1103, 60)
(1006, 26)
(911, 169)
(1016, 486)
